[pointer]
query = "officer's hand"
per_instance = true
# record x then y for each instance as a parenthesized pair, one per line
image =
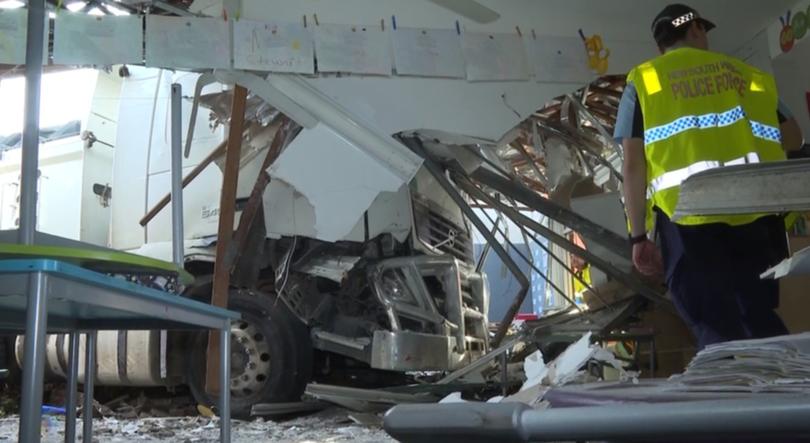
(647, 259)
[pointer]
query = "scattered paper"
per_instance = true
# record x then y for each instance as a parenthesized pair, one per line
(81, 39)
(798, 264)
(13, 35)
(559, 59)
(276, 47)
(778, 364)
(494, 57)
(187, 42)
(428, 53)
(353, 49)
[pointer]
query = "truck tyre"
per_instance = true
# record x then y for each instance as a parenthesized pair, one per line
(271, 355)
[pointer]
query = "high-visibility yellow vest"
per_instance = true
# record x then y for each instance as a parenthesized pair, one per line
(703, 110)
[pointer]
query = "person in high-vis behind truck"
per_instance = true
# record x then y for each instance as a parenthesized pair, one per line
(684, 112)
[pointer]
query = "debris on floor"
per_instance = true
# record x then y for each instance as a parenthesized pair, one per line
(331, 425)
(777, 364)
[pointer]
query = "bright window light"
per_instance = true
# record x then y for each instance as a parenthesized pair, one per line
(51, 14)
(11, 4)
(95, 11)
(66, 96)
(75, 6)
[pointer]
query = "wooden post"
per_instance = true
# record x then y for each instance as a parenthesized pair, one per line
(254, 203)
(227, 210)
(213, 156)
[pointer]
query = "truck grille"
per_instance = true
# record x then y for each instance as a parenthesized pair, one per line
(440, 233)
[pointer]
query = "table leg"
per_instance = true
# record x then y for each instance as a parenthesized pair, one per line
(89, 379)
(225, 383)
(72, 394)
(34, 358)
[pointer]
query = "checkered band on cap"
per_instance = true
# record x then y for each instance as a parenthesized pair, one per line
(686, 18)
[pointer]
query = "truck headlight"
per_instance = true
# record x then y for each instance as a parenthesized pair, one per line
(395, 288)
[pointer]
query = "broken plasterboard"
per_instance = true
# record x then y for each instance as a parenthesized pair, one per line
(338, 180)
(798, 264)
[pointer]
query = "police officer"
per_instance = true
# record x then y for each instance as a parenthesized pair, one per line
(683, 112)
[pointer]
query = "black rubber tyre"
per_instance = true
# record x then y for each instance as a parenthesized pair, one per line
(271, 355)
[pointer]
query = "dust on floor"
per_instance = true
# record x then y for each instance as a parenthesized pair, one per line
(332, 425)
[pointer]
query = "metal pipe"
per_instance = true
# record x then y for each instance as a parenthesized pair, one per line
(531, 264)
(89, 380)
(438, 174)
(595, 232)
(34, 358)
(485, 252)
(764, 416)
(30, 143)
(627, 279)
(225, 384)
(527, 234)
(71, 400)
(177, 175)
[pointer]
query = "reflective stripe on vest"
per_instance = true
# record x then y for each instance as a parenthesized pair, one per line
(708, 121)
(674, 178)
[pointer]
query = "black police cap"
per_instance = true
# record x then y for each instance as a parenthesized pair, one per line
(674, 17)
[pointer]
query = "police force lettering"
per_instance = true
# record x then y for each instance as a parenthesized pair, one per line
(705, 80)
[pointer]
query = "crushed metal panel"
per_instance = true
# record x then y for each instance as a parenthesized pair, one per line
(338, 179)
(746, 189)
(330, 267)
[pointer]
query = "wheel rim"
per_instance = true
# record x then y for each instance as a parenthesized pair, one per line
(250, 359)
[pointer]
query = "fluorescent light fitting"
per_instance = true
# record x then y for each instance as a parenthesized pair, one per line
(75, 6)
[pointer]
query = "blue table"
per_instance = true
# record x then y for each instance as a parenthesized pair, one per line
(67, 298)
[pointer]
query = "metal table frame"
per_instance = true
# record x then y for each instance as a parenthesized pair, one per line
(78, 300)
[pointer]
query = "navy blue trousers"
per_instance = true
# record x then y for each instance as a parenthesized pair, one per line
(712, 272)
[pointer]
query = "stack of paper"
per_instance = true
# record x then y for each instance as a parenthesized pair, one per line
(778, 364)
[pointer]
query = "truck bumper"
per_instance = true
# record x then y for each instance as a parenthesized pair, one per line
(412, 351)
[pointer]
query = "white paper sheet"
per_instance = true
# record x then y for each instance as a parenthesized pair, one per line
(187, 42)
(559, 59)
(13, 32)
(493, 57)
(428, 52)
(81, 39)
(353, 49)
(277, 47)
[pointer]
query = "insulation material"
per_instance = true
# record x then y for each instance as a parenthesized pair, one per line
(276, 47)
(494, 57)
(81, 39)
(559, 59)
(13, 34)
(428, 53)
(176, 41)
(353, 49)
(334, 178)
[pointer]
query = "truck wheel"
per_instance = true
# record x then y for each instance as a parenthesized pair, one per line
(271, 355)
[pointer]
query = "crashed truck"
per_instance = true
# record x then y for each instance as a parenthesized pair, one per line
(359, 255)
